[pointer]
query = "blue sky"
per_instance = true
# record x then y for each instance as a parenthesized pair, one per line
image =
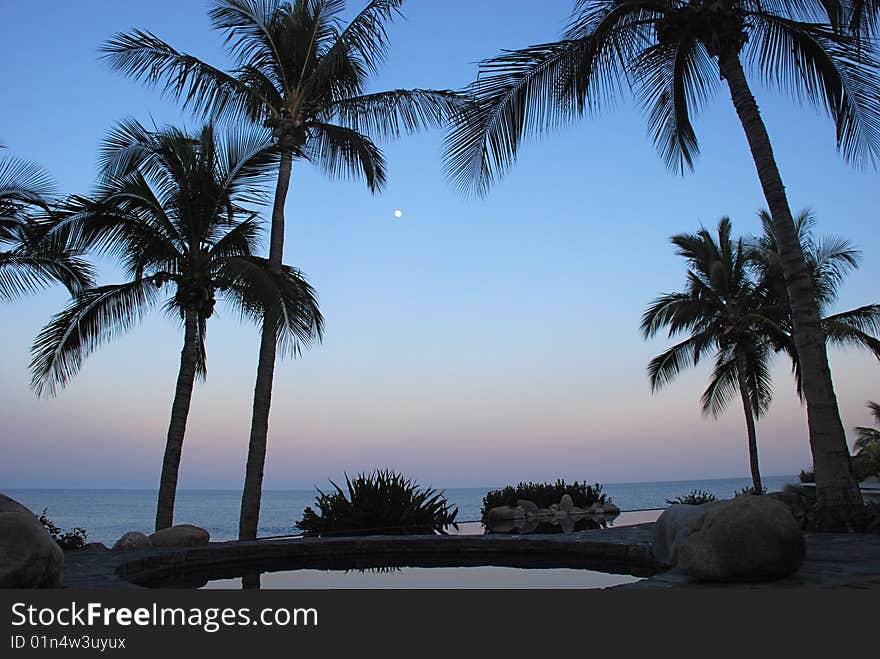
(470, 342)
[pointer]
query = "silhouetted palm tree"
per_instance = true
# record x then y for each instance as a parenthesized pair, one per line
(725, 315)
(673, 54)
(868, 439)
(828, 261)
(31, 258)
(175, 210)
(303, 73)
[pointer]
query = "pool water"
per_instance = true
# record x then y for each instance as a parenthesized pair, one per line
(483, 577)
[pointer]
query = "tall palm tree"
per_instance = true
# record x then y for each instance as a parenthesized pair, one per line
(303, 72)
(828, 262)
(672, 53)
(868, 439)
(32, 257)
(725, 315)
(176, 210)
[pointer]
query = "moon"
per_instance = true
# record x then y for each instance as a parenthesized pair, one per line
(398, 213)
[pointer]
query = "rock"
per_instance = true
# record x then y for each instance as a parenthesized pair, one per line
(796, 503)
(29, 557)
(752, 538)
(131, 541)
(94, 546)
(529, 507)
(673, 526)
(610, 509)
(499, 514)
(8, 505)
(501, 519)
(181, 535)
(566, 503)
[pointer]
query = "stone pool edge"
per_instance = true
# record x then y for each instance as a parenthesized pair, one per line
(623, 550)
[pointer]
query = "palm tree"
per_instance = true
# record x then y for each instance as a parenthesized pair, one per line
(672, 53)
(724, 314)
(868, 439)
(175, 209)
(31, 258)
(302, 72)
(828, 262)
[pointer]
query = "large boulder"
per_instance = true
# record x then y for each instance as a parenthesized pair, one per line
(749, 538)
(182, 535)
(132, 541)
(8, 505)
(672, 528)
(797, 503)
(29, 556)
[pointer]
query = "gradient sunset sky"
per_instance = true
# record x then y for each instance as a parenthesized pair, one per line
(469, 342)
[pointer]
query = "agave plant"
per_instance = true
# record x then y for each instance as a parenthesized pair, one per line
(694, 498)
(381, 503)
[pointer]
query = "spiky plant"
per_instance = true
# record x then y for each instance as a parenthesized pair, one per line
(380, 503)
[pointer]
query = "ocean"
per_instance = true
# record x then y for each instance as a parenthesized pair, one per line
(107, 514)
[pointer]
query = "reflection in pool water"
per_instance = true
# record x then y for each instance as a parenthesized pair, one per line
(432, 578)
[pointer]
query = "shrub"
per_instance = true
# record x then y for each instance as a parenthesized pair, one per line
(694, 498)
(545, 495)
(807, 476)
(381, 503)
(866, 463)
(748, 491)
(73, 539)
(795, 488)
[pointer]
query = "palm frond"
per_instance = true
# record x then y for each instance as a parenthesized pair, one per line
(664, 367)
(203, 88)
(723, 384)
(345, 153)
(390, 114)
(366, 35)
(858, 328)
(25, 272)
(674, 82)
(828, 69)
(24, 182)
(865, 438)
(516, 94)
(95, 316)
(286, 298)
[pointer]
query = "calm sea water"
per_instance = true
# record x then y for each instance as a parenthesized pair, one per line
(107, 514)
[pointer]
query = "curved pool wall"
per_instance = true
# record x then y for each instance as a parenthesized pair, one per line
(620, 551)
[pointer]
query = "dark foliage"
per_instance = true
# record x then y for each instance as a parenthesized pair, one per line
(380, 503)
(544, 495)
(749, 491)
(694, 498)
(807, 476)
(865, 464)
(73, 539)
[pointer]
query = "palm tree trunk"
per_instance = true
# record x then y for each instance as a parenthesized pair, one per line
(748, 408)
(177, 426)
(836, 488)
(253, 481)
